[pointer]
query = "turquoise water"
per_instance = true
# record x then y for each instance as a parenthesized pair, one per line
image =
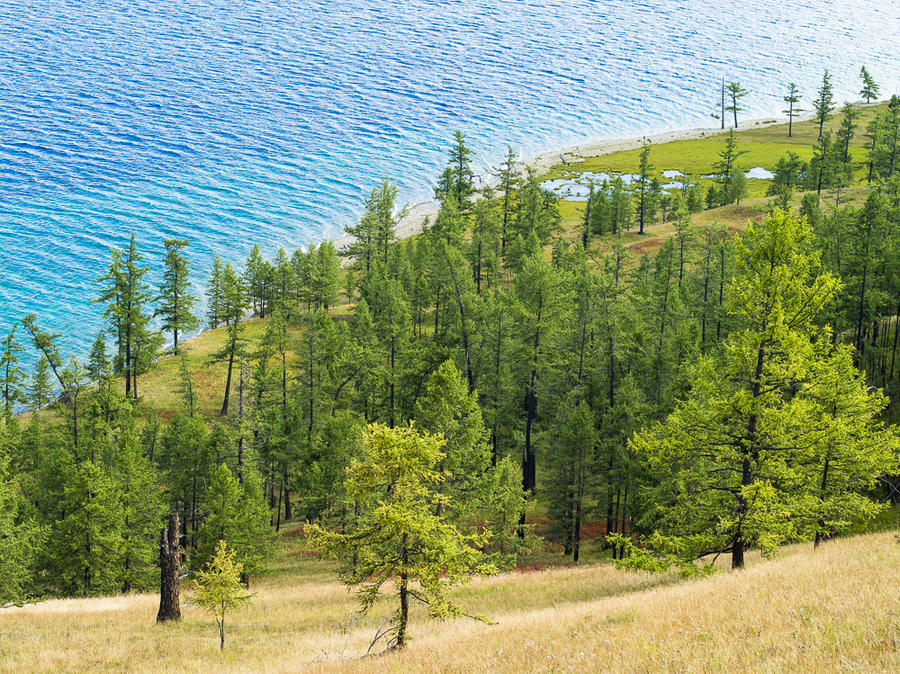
(260, 121)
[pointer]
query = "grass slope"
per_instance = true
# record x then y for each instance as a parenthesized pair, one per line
(808, 611)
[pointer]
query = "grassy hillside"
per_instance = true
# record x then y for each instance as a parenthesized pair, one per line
(764, 147)
(808, 611)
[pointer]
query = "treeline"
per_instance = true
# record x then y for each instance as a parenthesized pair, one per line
(536, 355)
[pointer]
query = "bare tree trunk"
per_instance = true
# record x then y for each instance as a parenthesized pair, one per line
(169, 567)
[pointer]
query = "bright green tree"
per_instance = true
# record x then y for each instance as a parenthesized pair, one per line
(403, 536)
(736, 456)
(217, 588)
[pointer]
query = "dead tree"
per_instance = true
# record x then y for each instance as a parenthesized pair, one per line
(169, 568)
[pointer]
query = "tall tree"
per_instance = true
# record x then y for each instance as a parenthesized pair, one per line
(11, 375)
(735, 92)
(175, 298)
(214, 299)
(870, 88)
(792, 98)
(126, 295)
(234, 306)
(824, 101)
(642, 184)
(733, 456)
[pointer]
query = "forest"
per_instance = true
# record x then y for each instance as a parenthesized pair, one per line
(513, 381)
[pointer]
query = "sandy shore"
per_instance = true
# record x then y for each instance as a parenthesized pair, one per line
(542, 163)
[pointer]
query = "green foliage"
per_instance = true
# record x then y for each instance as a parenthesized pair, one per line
(217, 588)
(237, 513)
(737, 460)
(175, 299)
(403, 535)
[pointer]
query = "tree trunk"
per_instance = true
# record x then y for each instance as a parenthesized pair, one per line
(169, 567)
(404, 595)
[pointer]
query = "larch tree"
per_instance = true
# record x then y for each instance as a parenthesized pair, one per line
(403, 535)
(234, 305)
(824, 101)
(792, 111)
(175, 299)
(870, 88)
(509, 182)
(217, 587)
(735, 92)
(734, 458)
(126, 294)
(642, 186)
(214, 299)
(11, 375)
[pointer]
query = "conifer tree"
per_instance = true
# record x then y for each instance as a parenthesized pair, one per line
(849, 114)
(870, 88)
(215, 309)
(86, 544)
(39, 389)
(234, 304)
(509, 184)
(236, 513)
(792, 98)
(176, 301)
(11, 375)
(126, 293)
(642, 185)
(98, 361)
(20, 536)
(402, 536)
(735, 92)
(142, 513)
(217, 588)
(824, 101)
(733, 457)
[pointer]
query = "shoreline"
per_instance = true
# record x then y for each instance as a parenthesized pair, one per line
(413, 222)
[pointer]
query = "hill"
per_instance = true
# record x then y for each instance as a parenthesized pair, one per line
(806, 611)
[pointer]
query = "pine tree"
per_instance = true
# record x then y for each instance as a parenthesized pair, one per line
(175, 296)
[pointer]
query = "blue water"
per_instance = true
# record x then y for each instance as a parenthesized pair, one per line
(231, 123)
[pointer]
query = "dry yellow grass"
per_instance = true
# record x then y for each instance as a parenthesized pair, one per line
(837, 609)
